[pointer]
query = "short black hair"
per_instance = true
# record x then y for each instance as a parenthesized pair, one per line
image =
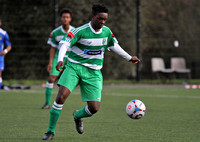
(65, 10)
(99, 8)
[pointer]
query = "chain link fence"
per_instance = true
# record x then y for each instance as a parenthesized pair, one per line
(29, 23)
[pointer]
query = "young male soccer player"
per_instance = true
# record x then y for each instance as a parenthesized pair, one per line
(87, 45)
(4, 41)
(54, 39)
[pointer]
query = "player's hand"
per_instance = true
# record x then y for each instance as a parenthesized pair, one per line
(2, 53)
(134, 59)
(49, 68)
(59, 66)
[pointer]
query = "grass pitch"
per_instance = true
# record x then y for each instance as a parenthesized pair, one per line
(173, 115)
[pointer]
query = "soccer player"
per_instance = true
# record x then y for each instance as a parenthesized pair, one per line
(4, 41)
(54, 39)
(87, 45)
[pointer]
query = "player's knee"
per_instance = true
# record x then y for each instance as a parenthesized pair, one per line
(94, 110)
(63, 93)
(60, 99)
(52, 79)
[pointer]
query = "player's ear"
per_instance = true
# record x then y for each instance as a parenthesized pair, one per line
(92, 16)
(70, 19)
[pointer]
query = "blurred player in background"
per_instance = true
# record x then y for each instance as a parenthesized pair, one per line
(5, 47)
(87, 45)
(54, 39)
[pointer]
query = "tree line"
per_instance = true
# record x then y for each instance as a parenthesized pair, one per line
(29, 23)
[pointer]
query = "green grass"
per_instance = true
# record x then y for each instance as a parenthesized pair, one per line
(172, 116)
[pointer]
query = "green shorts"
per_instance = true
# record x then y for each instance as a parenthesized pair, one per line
(54, 63)
(91, 81)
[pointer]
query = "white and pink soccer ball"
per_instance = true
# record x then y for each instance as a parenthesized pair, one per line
(135, 109)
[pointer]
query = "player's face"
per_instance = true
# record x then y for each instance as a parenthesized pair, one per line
(66, 18)
(99, 20)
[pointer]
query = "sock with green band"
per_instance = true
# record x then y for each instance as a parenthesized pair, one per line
(48, 92)
(84, 112)
(54, 115)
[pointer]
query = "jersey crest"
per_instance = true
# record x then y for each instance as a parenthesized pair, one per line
(104, 41)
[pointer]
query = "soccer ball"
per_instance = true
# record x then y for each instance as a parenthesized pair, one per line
(135, 109)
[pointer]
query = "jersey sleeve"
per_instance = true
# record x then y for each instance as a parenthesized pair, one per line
(71, 38)
(52, 41)
(7, 40)
(111, 39)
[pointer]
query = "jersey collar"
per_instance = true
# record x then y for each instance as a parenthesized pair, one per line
(70, 27)
(94, 30)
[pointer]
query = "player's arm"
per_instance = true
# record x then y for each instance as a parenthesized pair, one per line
(114, 46)
(8, 45)
(5, 51)
(117, 49)
(53, 43)
(62, 50)
(63, 46)
(51, 56)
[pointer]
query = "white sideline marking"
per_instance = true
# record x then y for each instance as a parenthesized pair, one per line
(150, 95)
(111, 94)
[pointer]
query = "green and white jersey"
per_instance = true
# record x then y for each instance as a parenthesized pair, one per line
(56, 36)
(87, 47)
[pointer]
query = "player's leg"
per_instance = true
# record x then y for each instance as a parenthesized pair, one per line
(91, 108)
(67, 83)
(91, 86)
(55, 111)
(48, 91)
(50, 83)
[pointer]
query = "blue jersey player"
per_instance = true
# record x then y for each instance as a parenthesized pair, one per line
(5, 47)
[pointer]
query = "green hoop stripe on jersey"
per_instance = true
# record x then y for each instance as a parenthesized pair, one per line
(87, 47)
